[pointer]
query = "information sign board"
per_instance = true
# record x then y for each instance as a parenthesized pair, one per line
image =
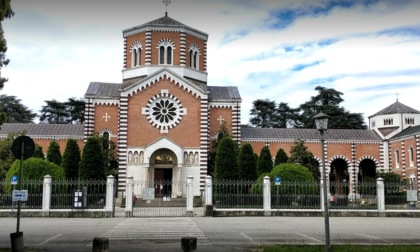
(20, 195)
(278, 181)
(148, 193)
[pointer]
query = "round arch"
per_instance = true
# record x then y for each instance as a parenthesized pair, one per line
(367, 166)
(339, 175)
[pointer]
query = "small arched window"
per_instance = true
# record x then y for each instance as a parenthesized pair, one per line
(411, 156)
(165, 52)
(136, 51)
(397, 158)
(194, 57)
(105, 135)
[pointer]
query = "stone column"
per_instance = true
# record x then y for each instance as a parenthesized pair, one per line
(129, 193)
(46, 196)
(208, 195)
(321, 188)
(380, 195)
(267, 196)
(190, 207)
(110, 188)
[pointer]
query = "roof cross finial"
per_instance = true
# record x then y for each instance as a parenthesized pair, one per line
(166, 3)
(397, 94)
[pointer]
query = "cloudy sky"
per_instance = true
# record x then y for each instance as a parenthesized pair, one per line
(270, 49)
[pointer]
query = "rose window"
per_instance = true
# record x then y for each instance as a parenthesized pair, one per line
(164, 111)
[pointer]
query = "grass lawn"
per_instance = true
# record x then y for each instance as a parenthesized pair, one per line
(342, 248)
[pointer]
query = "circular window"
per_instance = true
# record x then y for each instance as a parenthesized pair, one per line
(164, 111)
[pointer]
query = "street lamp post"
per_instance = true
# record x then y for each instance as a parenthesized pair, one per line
(321, 121)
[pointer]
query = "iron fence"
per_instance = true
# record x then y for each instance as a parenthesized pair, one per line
(237, 194)
(34, 188)
(362, 197)
(62, 193)
(295, 195)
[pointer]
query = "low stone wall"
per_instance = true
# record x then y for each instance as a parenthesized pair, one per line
(314, 213)
(62, 213)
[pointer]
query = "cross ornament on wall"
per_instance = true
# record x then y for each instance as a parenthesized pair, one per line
(221, 120)
(106, 117)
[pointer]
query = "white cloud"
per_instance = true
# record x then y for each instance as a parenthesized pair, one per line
(56, 48)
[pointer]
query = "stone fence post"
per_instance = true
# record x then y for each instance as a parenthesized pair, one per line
(109, 202)
(208, 196)
(46, 195)
(129, 193)
(380, 195)
(190, 207)
(267, 196)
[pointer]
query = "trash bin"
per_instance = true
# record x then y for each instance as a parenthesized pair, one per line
(17, 241)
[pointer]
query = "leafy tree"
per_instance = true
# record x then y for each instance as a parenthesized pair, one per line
(247, 163)
(263, 114)
(71, 159)
(54, 113)
(327, 101)
(38, 153)
(53, 153)
(223, 132)
(92, 163)
(288, 172)
(226, 165)
(14, 111)
(265, 161)
(286, 117)
(5, 12)
(76, 110)
(281, 157)
(6, 155)
(35, 169)
(299, 154)
(110, 156)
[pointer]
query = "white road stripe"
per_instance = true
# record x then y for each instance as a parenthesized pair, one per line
(310, 237)
(246, 236)
(373, 237)
(49, 239)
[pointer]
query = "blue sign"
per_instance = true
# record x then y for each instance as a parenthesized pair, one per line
(14, 180)
(277, 180)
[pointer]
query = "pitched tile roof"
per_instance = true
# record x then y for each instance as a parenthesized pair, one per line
(396, 107)
(248, 133)
(407, 132)
(43, 130)
(218, 93)
(164, 22)
(103, 90)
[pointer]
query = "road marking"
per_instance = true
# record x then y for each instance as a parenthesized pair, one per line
(310, 237)
(373, 237)
(246, 236)
(49, 239)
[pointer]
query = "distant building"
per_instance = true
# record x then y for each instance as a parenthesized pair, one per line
(164, 116)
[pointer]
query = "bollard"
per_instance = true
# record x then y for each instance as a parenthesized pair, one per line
(17, 241)
(188, 243)
(100, 244)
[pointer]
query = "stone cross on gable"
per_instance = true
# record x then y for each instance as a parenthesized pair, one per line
(221, 120)
(106, 117)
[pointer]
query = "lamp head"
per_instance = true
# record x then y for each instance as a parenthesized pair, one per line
(321, 121)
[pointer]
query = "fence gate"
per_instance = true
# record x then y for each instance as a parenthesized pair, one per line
(161, 198)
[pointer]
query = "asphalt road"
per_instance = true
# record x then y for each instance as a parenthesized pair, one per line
(213, 234)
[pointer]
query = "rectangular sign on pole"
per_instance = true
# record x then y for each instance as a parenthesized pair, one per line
(14, 180)
(20, 195)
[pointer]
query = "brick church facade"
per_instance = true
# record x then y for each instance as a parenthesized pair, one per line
(164, 116)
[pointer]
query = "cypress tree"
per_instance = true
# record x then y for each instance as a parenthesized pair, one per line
(265, 163)
(53, 153)
(71, 159)
(281, 157)
(226, 164)
(247, 163)
(92, 163)
(38, 153)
